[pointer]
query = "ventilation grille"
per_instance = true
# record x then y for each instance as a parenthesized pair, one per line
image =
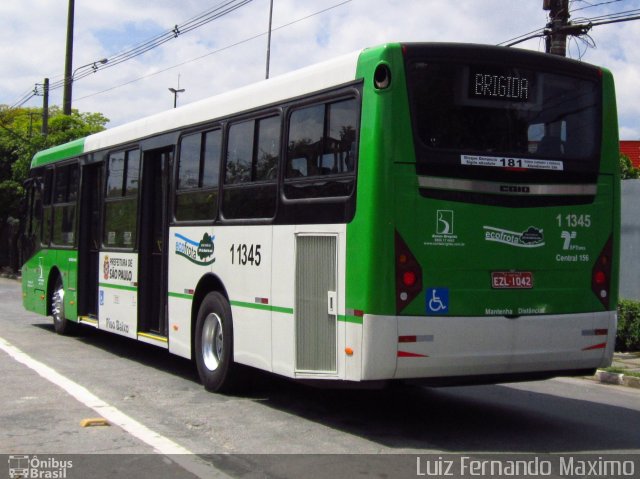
(315, 283)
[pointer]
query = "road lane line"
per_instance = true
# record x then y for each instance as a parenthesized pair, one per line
(159, 443)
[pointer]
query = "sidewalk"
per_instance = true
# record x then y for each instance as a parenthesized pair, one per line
(623, 364)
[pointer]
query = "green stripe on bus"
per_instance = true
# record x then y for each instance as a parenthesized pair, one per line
(263, 307)
(181, 296)
(280, 309)
(350, 319)
(118, 286)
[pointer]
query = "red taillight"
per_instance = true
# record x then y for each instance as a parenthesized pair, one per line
(601, 274)
(409, 278)
(408, 275)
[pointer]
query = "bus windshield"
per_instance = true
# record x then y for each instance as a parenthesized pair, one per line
(478, 113)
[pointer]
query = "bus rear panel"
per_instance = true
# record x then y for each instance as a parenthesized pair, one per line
(503, 217)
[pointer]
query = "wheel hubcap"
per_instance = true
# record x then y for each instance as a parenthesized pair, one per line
(212, 341)
(57, 304)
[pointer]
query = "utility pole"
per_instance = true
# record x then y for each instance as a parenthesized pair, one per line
(556, 41)
(68, 63)
(45, 108)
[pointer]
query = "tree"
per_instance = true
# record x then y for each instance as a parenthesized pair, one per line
(627, 170)
(20, 139)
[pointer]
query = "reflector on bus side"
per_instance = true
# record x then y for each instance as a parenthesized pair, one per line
(408, 275)
(601, 274)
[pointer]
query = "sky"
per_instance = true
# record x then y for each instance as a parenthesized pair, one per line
(231, 51)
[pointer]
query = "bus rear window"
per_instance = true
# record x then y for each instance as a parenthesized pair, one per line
(502, 110)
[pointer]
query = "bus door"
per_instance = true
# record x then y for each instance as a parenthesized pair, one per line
(152, 261)
(89, 239)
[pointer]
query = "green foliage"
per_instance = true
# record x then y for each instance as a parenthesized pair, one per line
(627, 171)
(20, 139)
(628, 337)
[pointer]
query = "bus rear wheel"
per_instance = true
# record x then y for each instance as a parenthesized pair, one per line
(60, 323)
(214, 344)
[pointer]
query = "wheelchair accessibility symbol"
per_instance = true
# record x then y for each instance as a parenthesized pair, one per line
(437, 300)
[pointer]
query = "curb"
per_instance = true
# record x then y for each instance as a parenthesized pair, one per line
(619, 379)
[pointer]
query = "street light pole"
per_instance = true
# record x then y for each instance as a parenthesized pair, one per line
(68, 82)
(68, 63)
(269, 38)
(94, 65)
(175, 95)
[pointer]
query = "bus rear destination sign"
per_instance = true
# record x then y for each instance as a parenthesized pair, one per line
(500, 86)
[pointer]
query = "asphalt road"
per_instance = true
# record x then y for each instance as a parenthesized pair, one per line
(254, 434)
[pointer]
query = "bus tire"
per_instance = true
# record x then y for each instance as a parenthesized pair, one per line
(214, 344)
(60, 323)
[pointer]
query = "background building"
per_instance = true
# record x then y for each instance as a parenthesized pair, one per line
(631, 148)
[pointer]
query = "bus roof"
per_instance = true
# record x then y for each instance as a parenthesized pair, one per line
(60, 152)
(290, 85)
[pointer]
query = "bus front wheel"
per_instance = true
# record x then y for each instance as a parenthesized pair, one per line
(214, 343)
(60, 323)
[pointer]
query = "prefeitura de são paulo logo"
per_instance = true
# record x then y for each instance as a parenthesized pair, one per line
(105, 268)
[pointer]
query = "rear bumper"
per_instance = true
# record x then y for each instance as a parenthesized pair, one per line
(466, 347)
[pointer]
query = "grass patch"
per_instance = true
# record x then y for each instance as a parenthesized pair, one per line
(624, 371)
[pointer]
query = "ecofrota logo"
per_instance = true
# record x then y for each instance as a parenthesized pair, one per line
(531, 238)
(198, 252)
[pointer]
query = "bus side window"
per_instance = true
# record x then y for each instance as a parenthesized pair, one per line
(64, 204)
(297, 167)
(35, 211)
(321, 144)
(341, 133)
(47, 210)
(198, 170)
(121, 201)
(30, 240)
(251, 175)
(306, 129)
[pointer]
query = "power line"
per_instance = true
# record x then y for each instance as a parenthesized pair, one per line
(623, 14)
(227, 47)
(208, 16)
(591, 5)
(521, 38)
(219, 10)
(618, 20)
(579, 28)
(24, 99)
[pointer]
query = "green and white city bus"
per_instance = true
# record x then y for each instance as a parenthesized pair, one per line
(437, 211)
